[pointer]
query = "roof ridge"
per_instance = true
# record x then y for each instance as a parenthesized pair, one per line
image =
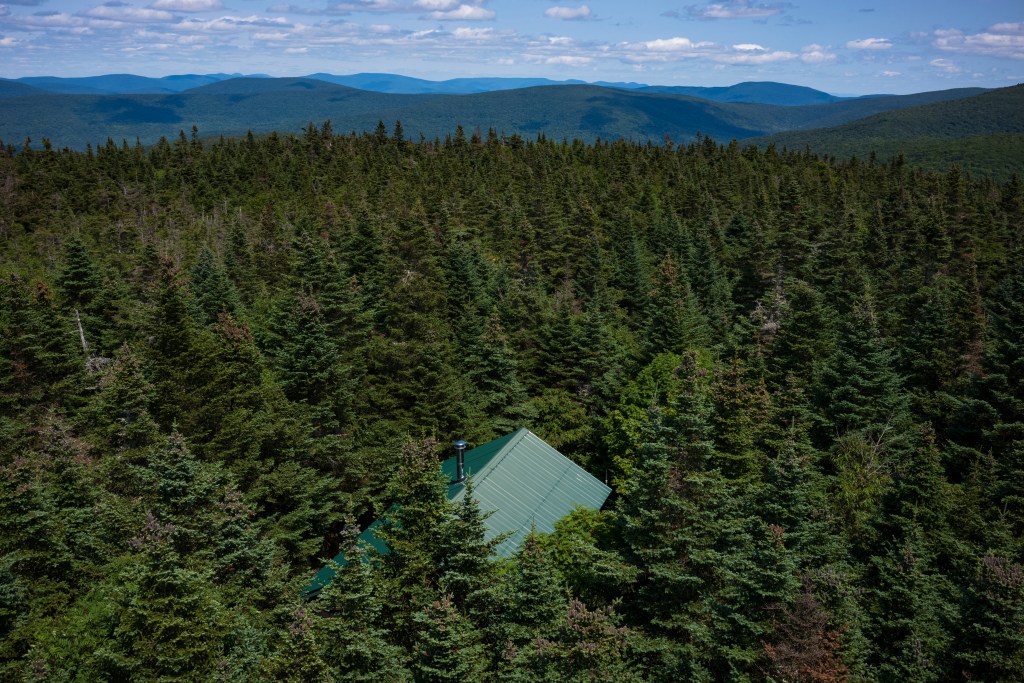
(478, 477)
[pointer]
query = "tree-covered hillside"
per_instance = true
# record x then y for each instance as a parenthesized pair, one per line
(231, 107)
(984, 134)
(803, 379)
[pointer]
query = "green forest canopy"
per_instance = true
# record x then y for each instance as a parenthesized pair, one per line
(803, 378)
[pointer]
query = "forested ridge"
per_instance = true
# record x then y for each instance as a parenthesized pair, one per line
(233, 106)
(982, 134)
(803, 379)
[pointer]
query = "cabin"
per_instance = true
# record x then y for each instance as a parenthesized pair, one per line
(525, 483)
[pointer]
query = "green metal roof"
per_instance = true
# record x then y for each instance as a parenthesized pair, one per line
(521, 480)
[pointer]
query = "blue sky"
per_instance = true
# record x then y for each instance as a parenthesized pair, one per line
(841, 46)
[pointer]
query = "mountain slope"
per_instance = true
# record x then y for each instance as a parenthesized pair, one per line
(231, 107)
(258, 86)
(122, 84)
(287, 105)
(751, 92)
(845, 111)
(764, 92)
(16, 89)
(982, 132)
(405, 85)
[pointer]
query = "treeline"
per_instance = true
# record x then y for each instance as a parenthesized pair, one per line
(804, 380)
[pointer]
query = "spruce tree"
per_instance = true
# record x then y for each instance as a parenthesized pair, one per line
(358, 649)
(212, 291)
(501, 400)
(86, 299)
(589, 646)
(119, 413)
(181, 491)
(410, 569)
(676, 323)
(447, 647)
(991, 626)
(300, 657)
(40, 365)
(538, 595)
(172, 351)
(171, 624)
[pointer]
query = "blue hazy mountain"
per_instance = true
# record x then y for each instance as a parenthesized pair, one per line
(123, 84)
(760, 92)
(16, 89)
(406, 85)
(753, 92)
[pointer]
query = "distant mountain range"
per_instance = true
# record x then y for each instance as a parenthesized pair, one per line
(74, 112)
(129, 84)
(121, 84)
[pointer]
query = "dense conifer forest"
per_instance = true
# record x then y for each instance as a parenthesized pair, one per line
(803, 378)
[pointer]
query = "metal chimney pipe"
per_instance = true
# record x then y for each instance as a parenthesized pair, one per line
(460, 461)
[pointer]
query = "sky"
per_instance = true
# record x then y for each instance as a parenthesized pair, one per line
(845, 47)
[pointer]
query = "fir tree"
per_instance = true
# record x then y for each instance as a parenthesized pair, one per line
(212, 291)
(676, 323)
(447, 647)
(120, 411)
(501, 399)
(171, 624)
(358, 650)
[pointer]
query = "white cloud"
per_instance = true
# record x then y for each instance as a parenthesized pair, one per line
(869, 44)
(229, 23)
(437, 5)
(55, 20)
(1008, 27)
(816, 54)
(890, 74)
(680, 48)
(366, 6)
(474, 42)
(8, 42)
(296, 50)
(188, 5)
(737, 9)
(755, 57)
(676, 44)
(116, 11)
(465, 13)
(192, 39)
(569, 60)
(285, 8)
(999, 40)
(272, 36)
(568, 13)
(465, 33)
(167, 37)
(946, 65)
